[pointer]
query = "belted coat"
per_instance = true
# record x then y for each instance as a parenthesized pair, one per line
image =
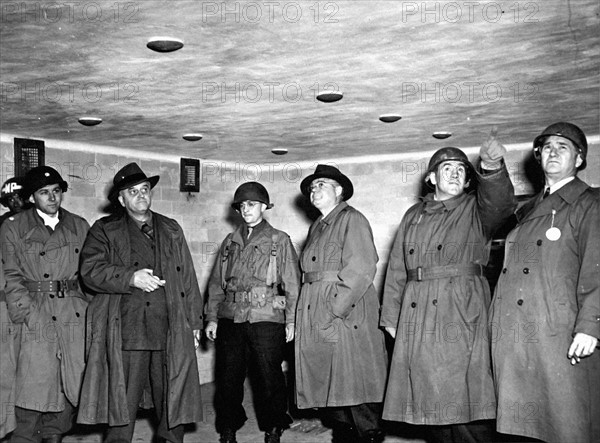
(340, 351)
(50, 361)
(243, 267)
(549, 290)
(441, 370)
(106, 269)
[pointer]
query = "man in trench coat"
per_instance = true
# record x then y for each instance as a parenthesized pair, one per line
(545, 315)
(436, 298)
(40, 254)
(341, 362)
(144, 319)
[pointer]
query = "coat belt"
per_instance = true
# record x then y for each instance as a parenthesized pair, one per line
(309, 277)
(249, 296)
(435, 272)
(60, 287)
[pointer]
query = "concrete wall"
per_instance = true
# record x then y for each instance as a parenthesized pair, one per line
(385, 187)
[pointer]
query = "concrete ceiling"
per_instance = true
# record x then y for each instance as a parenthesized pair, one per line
(248, 74)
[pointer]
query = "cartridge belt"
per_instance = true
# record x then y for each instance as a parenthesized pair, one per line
(435, 272)
(59, 287)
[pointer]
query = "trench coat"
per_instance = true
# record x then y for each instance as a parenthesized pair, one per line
(106, 269)
(246, 268)
(340, 351)
(441, 370)
(50, 361)
(547, 292)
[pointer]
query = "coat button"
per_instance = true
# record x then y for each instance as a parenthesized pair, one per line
(51, 295)
(178, 269)
(76, 250)
(308, 307)
(413, 305)
(539, 243)
(147, 303)
(434, 302)
(439, 247)
(182, 294)
(116, 275)
(42, 253)
(355, 327)
(353, 306)
(314, 258)
(46, 275)
(53, 318)
(135, 264)
(411, 251)
(519, 302)
(77, 314)
(525, 270)
(504, 270)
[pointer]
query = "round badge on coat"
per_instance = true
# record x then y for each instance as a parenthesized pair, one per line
(553, 234)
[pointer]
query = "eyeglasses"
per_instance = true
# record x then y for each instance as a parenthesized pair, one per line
(318, 186)
(247, 205)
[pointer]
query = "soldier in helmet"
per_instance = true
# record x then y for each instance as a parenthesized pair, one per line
(11, 198)
(436, 297)
(40, 259)
(549, 377)
(252, 302)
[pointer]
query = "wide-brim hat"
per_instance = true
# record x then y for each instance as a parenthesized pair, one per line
(252, 191)
(331, 172)
(41, 176)
(128, 176)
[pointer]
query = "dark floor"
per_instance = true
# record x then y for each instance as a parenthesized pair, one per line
(305, 429)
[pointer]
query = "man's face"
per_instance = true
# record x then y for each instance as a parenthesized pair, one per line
(324, 193)
(48, 199)
(450, 179)
(252, 212)
(559, 157)
(137, 199)
(15, 203)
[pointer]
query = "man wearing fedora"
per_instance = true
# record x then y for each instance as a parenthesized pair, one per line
(547, 379)
(144, 319)
(341, 362)
(436, 297)
(40, 256)
(251, 308)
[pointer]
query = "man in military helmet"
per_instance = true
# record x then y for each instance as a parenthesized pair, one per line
(549, 376)
(11, 197)
(436, 297)
(251, 312)
(40, 263)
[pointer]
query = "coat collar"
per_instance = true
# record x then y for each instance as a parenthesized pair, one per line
(536, 207)
(333, 214)
(431, 205)
(238, 234)
(35, 229)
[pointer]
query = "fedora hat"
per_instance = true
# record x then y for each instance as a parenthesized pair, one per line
(331, 172)
(128, 176)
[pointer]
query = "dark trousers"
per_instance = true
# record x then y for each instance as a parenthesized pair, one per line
(256, 349)
(32, 426)
(354, 423)
(481, 431)
(139, 367)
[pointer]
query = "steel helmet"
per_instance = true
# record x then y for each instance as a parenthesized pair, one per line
(568, 131)
(11, 186)
(41, 176)
(449, 154)
(252, 191)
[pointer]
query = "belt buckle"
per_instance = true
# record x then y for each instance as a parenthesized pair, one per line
(62, 288)
(419, 273)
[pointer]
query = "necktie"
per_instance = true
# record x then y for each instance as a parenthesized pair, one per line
(249, 231)
(147, 229)
(546, 193)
